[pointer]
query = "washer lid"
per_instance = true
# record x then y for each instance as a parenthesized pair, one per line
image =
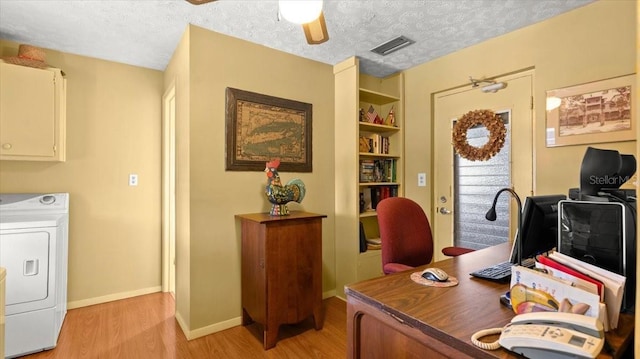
(22, 203)
(31, 221)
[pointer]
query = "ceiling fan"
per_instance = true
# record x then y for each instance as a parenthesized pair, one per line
(307, 13)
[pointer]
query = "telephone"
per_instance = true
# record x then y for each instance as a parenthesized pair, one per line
(552, 335)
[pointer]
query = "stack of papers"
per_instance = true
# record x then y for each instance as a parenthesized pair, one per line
(613, 284)
(565, 284)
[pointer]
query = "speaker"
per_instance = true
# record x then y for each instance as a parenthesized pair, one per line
(602, 233)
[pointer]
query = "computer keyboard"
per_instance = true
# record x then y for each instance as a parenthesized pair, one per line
(501, 272)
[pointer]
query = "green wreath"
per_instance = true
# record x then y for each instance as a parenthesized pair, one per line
(497, 134)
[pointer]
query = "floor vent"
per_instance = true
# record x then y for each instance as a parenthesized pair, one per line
(392, 45)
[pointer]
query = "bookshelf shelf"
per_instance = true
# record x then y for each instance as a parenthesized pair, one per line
(370, 96)
(366, 214)
(376, 128)
(372, 184)
(374, 155)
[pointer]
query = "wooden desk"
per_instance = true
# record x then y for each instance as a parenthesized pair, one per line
(281, 270)
(392, 314)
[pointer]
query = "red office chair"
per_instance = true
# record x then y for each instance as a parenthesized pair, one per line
(405, 234)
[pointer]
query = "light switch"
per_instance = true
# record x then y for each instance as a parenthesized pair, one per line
(133, 179)
(422, 179)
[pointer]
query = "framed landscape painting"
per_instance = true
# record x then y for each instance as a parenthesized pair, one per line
(260, 128)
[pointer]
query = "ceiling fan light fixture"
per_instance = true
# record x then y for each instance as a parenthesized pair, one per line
(200, 2)
(300, 11)
(316, 31)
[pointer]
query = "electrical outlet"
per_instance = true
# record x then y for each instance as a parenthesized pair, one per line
(133, 179)
(422, 179)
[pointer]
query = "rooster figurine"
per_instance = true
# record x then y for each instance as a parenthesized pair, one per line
(279, 195)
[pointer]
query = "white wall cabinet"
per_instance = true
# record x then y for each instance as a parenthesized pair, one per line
(32, 113)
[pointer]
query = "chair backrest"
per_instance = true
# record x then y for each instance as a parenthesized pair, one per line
(405, 232)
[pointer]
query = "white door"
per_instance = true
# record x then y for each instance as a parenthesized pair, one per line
(449, 220)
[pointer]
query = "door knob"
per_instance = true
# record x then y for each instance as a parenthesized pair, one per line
(444, 211)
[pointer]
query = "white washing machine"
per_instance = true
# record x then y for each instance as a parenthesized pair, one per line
(34, 230)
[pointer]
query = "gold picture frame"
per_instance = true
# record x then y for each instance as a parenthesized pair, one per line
(595, 112)
(260, 128)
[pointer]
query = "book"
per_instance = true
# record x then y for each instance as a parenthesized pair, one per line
(375, 241)
(366, 192)
(375, 197)
(363, 239)
(364, 144)
(367, 171)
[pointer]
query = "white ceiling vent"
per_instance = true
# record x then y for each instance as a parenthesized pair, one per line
(392, 45)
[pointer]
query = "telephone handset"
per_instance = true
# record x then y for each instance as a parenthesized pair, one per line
(549, 335)
(554, 335)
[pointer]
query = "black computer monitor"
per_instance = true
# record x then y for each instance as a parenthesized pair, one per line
(539, 232)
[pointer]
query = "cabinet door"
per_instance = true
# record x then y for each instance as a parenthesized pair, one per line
(27, 111)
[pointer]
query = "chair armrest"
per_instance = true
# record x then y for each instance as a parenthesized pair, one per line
(395, 267)
(456, 251)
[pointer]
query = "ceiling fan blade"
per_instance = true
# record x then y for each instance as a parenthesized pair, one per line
(200, 2)
(316, 31)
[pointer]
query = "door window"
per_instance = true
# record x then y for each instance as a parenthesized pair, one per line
(476, 183)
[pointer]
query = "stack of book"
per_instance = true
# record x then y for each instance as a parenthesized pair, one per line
(374, 143)
(565, 284)
(382, 170)
(373, 195)
(367, 171)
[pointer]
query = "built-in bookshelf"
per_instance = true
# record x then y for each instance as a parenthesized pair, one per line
(369, 149)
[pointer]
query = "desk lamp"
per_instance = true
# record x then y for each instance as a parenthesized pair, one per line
(491, 216)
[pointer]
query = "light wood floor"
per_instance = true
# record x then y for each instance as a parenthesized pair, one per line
(145, 327)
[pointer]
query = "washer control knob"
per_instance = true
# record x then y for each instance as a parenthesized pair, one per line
(48, 199)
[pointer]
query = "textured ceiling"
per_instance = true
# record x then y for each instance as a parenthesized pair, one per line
(146, 32)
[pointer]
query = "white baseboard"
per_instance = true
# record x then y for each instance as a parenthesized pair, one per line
(329, 294)
(111, 297)
(209, 329)
(220, 326)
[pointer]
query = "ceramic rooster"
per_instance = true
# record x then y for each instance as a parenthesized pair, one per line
(278, 194)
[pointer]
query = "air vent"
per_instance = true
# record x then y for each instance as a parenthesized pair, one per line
(392, 45)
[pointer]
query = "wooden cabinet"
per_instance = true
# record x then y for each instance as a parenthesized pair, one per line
(281, 270)
(32, 113)
(356, 93)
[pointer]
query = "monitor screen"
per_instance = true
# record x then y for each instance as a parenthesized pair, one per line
(594, 233)
(539, 226)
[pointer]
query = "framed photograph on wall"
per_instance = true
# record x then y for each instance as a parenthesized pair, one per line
(260, 128)
(595, 112)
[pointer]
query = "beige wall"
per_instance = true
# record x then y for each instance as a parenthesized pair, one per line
(563, 51)
(215, 195)
(113, 129)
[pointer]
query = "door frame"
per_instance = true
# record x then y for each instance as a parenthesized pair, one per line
(168, 188)
(528, 72)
